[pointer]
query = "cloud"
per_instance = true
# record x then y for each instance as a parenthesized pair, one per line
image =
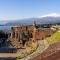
(51, 15)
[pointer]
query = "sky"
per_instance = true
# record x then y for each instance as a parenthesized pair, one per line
(20, 9)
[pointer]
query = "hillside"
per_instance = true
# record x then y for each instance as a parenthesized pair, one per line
(54, 38)
(29, 21)
(53, 50)
(46, 19)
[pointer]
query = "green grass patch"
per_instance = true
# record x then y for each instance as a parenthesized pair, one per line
(54, 38)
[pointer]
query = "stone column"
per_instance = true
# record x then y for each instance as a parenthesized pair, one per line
(34, 34)
(18, 36)
(11, 34)
(15, 34)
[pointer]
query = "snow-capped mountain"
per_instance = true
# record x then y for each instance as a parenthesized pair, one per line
(49, 18)
(45, 19)
(51, 15)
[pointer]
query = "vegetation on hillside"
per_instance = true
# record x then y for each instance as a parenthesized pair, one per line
(54, 38)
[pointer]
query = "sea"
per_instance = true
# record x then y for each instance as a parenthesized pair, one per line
(5, 28)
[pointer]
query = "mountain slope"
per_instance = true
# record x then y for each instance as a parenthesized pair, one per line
(45, 19)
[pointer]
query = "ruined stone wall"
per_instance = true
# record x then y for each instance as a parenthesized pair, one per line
(15, 34)
(38, 34)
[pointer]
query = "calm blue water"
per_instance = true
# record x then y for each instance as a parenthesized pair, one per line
(5, 28)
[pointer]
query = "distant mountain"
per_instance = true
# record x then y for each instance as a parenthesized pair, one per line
(46, 19)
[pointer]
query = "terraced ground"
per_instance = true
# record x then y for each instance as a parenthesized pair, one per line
(49, 49)
(39, 50)
(53, 51)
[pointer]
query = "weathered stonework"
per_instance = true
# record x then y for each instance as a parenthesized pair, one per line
(31, 31)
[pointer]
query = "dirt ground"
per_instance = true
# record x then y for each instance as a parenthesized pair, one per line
(51, 53)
